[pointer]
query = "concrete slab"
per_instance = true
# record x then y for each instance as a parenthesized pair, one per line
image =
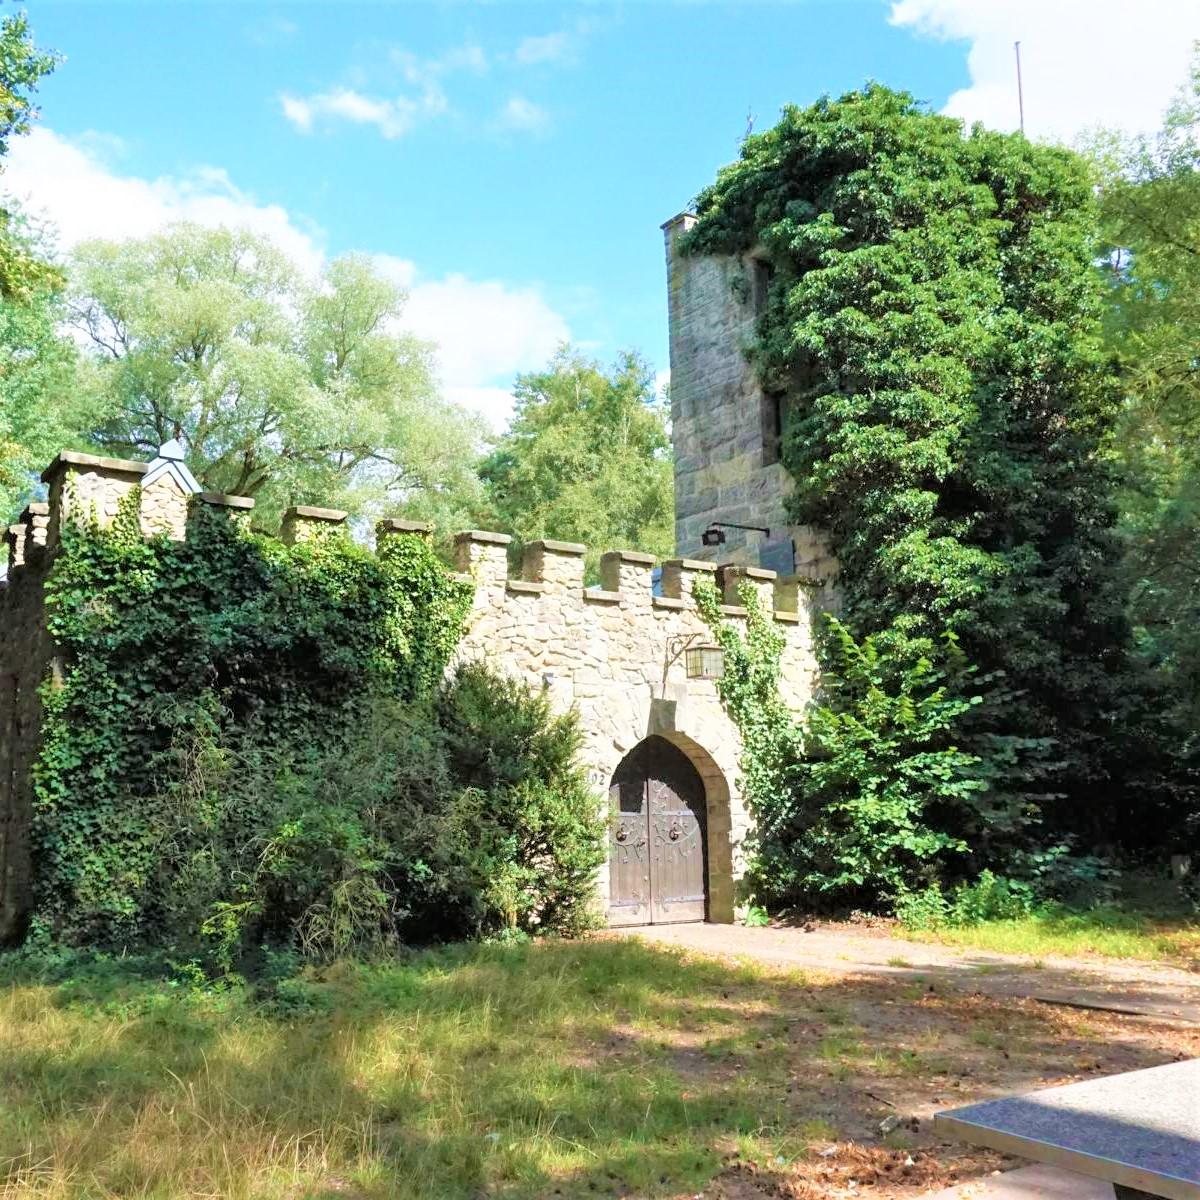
(1140, 1129)
(1030, 1183)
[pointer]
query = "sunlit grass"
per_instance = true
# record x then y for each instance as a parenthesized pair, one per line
(600, 1068)
(466, 1072)
(1109, 932)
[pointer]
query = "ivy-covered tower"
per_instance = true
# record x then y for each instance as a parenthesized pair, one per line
(727, 431)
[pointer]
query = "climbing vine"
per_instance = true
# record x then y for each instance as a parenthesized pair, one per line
(203, 675)
(864, 797)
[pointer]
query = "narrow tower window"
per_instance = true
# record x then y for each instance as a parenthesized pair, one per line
(761, 274)
(772, 426)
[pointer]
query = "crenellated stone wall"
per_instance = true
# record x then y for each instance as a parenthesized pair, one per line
(616, 653)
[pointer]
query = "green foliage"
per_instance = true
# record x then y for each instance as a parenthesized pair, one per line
(586, 459)
(536, 827)
(933, 319)
(22, 67)
(279, 389)
(988, 898)
(866, 795)
(187, 665)
(1150, 207)
(254, 743)
(41, 410)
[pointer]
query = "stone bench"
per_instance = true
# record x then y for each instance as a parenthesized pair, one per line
(1139, 1131)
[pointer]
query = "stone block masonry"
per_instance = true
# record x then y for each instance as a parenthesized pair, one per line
(616, 653)
(725, 430)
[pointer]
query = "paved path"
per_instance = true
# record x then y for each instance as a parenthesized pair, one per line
(1115, 985)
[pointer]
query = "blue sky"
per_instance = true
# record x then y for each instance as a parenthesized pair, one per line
(511, 163)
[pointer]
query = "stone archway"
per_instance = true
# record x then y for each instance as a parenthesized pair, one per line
(669, 844)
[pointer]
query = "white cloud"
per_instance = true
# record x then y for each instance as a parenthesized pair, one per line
(72, 183)
(467, 57)
(486, 330)
(393, 118)
(547, 48)
(1084, 62)
(520, 115)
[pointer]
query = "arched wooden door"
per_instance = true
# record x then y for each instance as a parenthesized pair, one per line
(658, 851)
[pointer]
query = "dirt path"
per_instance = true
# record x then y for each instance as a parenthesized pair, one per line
(1113, 985)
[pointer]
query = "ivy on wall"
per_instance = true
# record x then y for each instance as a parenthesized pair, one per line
(865, 796)
(185, 663)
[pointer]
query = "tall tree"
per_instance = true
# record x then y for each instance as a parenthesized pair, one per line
(280, 388)
(586, 458)
(41, 409)
(933, 317)
(1150, 203)
(22, 66)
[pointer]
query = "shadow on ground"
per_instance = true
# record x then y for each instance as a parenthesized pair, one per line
(602, 1068)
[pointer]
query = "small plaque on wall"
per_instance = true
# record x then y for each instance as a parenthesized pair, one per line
(778, 555)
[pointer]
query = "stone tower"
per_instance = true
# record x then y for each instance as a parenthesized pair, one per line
(726, 430)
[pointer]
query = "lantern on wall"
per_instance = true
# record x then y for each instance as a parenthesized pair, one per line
(705, 662)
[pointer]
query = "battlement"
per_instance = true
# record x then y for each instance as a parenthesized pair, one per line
(556, 569)
(86, 486)
(633, 656)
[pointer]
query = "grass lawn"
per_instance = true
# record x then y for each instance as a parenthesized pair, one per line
(600, 1068)
(1111, 932)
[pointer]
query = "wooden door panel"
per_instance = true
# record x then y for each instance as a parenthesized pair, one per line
(629, 852)
(657, 848)
(677, 856)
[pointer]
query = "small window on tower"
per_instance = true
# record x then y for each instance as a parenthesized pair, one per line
(762, 273)
(772, 427)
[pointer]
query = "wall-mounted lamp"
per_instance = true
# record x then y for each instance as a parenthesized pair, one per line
(714, 535)
(705, 662)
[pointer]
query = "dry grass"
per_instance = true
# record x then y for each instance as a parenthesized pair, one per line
(607, 1068)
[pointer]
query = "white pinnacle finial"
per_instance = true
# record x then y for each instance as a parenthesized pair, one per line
(170, 461)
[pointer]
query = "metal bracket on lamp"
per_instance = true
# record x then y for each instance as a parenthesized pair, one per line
(714, 535)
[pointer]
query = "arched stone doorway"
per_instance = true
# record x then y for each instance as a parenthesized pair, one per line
(659, 846)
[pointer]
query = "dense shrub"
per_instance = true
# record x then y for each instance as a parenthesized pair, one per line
(252, 743)
(932, 321)
(865, 797)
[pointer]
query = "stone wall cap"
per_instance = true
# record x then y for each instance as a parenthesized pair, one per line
(600, 596)
(224, 500)
(690, 564)
(73, 458)
(668, 602)
(733, 610)
(783, 614)
(401, 525)
(679, 219)
(309, 513)
(483, 535)
(577, 548)
(629, 556)
(524, 585)
(38, 508)
(749, 572)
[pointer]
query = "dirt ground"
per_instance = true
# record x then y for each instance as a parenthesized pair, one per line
(1150, 989)
(872, 1042)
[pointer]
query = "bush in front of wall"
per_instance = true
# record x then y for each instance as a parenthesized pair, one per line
(249, 742)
